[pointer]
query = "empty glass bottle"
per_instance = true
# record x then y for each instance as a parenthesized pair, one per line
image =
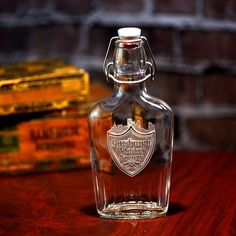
(131, 136)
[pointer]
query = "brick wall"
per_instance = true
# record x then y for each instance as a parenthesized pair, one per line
(193, 42)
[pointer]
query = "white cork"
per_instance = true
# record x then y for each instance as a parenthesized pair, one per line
(129, 33)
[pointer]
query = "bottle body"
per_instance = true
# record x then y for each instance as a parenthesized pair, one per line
(118, 195)
(131, 136)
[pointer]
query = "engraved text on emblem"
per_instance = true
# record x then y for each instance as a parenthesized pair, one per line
(131, 147)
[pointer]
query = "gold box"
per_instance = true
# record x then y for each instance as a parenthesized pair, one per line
(43, 116)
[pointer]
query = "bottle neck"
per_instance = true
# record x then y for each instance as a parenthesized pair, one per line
(129, 61)
(129, 88)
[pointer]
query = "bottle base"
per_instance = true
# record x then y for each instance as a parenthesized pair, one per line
(133, 210)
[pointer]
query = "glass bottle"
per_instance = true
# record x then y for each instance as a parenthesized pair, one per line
(131, 136)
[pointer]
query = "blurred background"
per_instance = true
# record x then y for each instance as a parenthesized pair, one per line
(193, 41)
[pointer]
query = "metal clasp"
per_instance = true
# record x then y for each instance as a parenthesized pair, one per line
(106, 66)
(151, 66)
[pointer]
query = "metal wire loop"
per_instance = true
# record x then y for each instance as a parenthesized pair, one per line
(151, 66)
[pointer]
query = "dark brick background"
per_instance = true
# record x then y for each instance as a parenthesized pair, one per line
(175, 6)
(211, 46)
(193, 42)
(220, 9)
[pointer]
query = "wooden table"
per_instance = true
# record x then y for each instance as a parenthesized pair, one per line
(203, 202)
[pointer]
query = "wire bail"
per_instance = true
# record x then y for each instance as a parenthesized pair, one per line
(151, 66)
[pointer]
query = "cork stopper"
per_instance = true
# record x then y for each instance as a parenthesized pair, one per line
(129, 33)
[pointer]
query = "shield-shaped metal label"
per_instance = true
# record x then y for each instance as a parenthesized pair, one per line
(131, 147)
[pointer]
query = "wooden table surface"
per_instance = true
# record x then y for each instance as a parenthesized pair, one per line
(203, 202)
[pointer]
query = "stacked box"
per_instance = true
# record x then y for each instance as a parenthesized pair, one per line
(43, 116)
